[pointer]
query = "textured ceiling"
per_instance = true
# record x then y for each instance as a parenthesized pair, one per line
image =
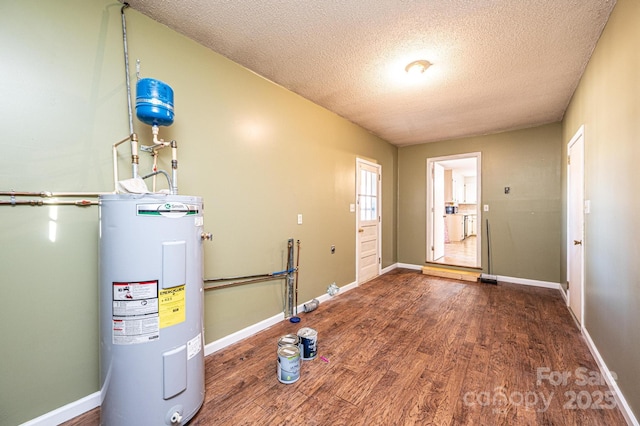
(497, 64)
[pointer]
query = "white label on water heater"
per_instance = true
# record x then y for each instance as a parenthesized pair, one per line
(168, 209)
(135, 312)
(194, 346)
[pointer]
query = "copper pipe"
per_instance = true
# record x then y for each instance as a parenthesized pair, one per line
(48, 194)
(38, 203)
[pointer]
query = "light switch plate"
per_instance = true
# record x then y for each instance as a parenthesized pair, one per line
(485, 207)
(299, 218)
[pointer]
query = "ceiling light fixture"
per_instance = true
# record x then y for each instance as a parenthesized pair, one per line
(417, 67)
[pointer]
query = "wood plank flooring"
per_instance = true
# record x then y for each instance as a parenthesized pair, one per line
(460, 253)
(410, 349)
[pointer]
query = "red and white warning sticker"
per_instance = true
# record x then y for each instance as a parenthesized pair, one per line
(135, 312)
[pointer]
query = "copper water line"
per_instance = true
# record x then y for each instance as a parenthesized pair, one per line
(48, 194)
(79, 203)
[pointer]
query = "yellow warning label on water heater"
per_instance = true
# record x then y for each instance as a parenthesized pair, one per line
(172, 306)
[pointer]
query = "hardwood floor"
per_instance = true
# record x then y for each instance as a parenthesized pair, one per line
(460, 253)
(410, 349)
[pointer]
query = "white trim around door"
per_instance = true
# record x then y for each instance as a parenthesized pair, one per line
(433, 206)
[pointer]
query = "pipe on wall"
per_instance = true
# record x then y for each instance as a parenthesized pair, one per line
(48, 194)
(239, 283)
(49, 198)
(79, 203)
(134, 141)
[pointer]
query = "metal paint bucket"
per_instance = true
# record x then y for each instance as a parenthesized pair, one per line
(308, 343)
(288, 339)
(288, 364)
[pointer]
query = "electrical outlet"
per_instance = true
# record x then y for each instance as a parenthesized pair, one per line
(299, 218)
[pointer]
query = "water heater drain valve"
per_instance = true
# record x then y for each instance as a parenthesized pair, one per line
(176, 418)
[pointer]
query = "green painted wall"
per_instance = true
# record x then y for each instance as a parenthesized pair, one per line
(607, 103)
(525, 225)
(257, 153)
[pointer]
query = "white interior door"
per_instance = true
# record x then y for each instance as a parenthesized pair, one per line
(438, 211)
(575, 225)
(368, 220)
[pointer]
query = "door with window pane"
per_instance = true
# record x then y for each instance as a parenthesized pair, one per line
(368, 220)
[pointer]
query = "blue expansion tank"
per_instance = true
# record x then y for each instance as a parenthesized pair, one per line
(154, 102)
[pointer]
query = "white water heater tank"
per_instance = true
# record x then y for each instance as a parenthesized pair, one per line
(151, 309)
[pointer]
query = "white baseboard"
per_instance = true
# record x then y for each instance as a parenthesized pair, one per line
(345, 288)
(388, 268)
(223, 342)
(525, 281)
(512, 280)
(66, 412)
(232, 338)
(408, 266)
(608, 376)
(564, 295)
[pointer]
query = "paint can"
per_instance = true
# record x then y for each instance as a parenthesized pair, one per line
(288, 339)
(308, 343)
(288, 364)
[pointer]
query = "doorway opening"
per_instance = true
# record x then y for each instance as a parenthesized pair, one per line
(453, 214)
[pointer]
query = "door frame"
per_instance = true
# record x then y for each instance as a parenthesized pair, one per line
(579, 135)
(429, 195)
(378, 167)
(438, 208)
